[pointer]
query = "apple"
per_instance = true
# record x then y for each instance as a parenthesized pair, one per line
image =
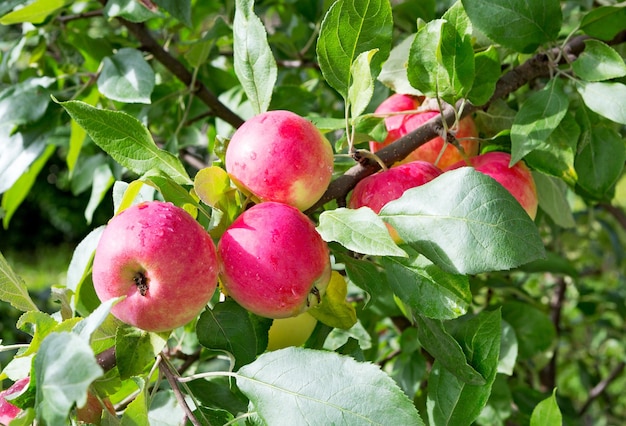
(9, 411)
(293, 331)
(399, 125)
(91, 412)
(280, 156)
(516, 179)
(162, 260)
(273, 262)
(380, 188)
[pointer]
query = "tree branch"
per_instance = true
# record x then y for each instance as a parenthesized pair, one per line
(601, 387)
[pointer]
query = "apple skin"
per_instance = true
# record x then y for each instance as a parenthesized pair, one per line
(293, 331)
(273, 261)
(280, 156)
(91, 412)
(162, 260)
(9, 411)
(399, 125)
(517, 179)
(380, 188)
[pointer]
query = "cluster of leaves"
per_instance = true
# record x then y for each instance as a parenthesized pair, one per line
(483, 316)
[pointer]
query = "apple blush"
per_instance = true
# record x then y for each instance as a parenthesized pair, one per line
(162, 260)
(280, 156)
(273, 261)
(399, 125)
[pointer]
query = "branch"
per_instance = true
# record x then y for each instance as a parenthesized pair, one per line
(601, 387)
(548, 373)
(172, 377)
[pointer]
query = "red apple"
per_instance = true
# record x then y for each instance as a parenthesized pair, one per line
(273, 261)
(516, 179)
(91, 412)
(162, 260)
(400, 124)
(380, 188)
(9, 411)
(280, 156)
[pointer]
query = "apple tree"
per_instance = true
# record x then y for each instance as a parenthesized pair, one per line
(472, 296)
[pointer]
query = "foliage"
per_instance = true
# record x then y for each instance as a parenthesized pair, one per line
(482, 316)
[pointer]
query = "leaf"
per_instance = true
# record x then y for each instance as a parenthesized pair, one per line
(366, 275)
(605, 99)
(310, 386)
(137, 411)
(19, 151)
(231, 328)
(80, 263)
(14, 196)
(210, 184)
(35, 12)
(40, 325)
(598, 62)
(441, 61)
(103, 179)
(78, 134)
(394, 71)
(537, 118)
(130, 10)
(521, 26)
(426, 289)
(601, 162)
(64, 368)
(13, 290)
(179, 9)
(446, 350)
(534, 331)
(508, 350)
(486, 74)
(477, 227)
(552, 195)
(350, 28)
(452, 402)
(126, 77)
(335, 311)
(25, 102)
(547, 412)
(359, 230)
(604, 22)
(362, 87)
(255, 66)
(125, 139)
(135, 350)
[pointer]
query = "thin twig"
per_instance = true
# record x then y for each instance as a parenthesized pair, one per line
(171, 375)
(548, 373)
(601, 387)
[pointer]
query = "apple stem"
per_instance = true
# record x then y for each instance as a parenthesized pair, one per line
(360, 155)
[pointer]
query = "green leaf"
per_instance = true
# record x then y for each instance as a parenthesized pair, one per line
(426, 289)
(80, 263)
(521, 26)
(103, 180)
(599, 62)
(134, 351)
(605, 99)
(125, 139)
(537, 118)
(14, 196)
(394, 71)
(19, 151)
(254, 63)
(487, 72)
(604, 22)
(90, 325)
(451, 401)
(231, 328)
(366, 275)
(447, 351)
(477, 212)
(78, 136)
(179, 9)
(508, 350)
(13, 290)
(35, 12)
(25, 102)
(358, 230)
(350, 28)
(126, 77)
(552, 195)
(335, 311)
(40, 325)
(131, 10)
(601, 162)
(64, 368)
(362, 87)
(547, 412)
(137, 411)
(441, 61)
(534, 331)
(310, 386)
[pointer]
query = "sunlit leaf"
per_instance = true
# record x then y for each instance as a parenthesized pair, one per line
(126, 77)
(604, 98)
(335, 310)
(13, 290)
(547, 413)
(598, 62)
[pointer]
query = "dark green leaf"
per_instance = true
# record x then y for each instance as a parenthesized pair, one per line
(179, 9)
(126, 77)
(552, 195)
(350, 28)
(547, 413)
(521, 26)
(599, 62)
(64, 368)
(218, 392)
(605, 99)
(499, 406)
(604, 22)
(487, 72)
(311, 386)
(426, 289)
(478, 226)
(125, 139)
(254, 63)
(534, 331)
(537, 118)
(358, 230)
(134, 351)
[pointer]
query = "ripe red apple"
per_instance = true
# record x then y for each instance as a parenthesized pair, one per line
(280, 156)
(273, 261)
(401, 124)
(162, 260)
(380, 188)
(9, 411)
(516, 179)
